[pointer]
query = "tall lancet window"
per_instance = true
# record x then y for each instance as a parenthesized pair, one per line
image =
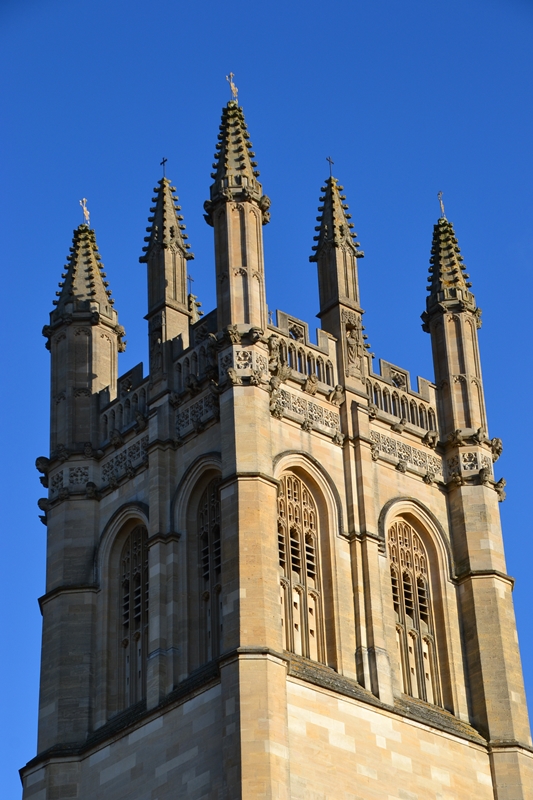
(299, 566)
(415, 639)
(210, 565)
(134, 597)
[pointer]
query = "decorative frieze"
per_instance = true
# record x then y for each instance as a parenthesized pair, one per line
(243, 359)
(405, 454)
(125, 462)
(308, 413)
(195, 415)
(78, 476)
(468, 463)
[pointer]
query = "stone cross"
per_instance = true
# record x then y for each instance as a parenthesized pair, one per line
(86, 214)
(439, 195)
(234, 90)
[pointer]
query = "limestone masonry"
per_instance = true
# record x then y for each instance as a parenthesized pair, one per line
(271, 571)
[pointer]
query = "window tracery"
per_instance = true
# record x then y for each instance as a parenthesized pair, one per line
(210, 565)
(415, 634)
(299, 564)
(134, 614)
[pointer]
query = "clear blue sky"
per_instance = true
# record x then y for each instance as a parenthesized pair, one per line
(407, 97)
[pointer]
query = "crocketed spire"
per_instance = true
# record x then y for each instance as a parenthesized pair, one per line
(166, 226)
(449, 287)
(83, 283)
(335, 229)
(235, 175)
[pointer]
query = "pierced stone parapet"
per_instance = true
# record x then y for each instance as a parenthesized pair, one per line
(309, 414)
(405, 457)
(125, 462)
(194, 416)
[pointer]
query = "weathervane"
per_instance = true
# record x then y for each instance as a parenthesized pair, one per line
(162, 164)
(331, 162)
(234, 90)
(442, 214)
(86, 214)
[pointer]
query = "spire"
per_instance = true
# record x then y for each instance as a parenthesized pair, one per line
(449, 287)
(83, 286)
(335, 229)
(166, 226)
(235, 175)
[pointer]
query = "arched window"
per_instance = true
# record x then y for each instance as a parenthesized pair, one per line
(134, 615)
(395, 406)
(431, 420)
(415, 636)
(386, 401)
(299, 564)
(329, 373)
(423, 417)
(210, 567)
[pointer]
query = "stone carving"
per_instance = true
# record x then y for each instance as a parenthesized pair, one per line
(401, 466)
(355, 346)
(196, 415)
(456, 479)
(399, 379)
(430, 439)
(338, 438)
(91, 491)
(273, 352)
(233, 376)
(496, 445)
(429, 478)
(232, 333)
(243, 359)
(374, 452)
(372, 411)
(485, 476)
(82, 392)
(399, 427)
(452, 464)
(116, 438)
(140, 421)
(296, 331)
(311, 384)
(469, 461)
(255, 377)
(337, 396)
(405, 452)
(193, 384)
(480, 436)
(78, 475)
(117, 466)
(57, 482)
(264, 205)
(307, 425)
(499, 487)
(456, 438)
(62, 453)
(255, 334)
(283, 403)
(42, 464)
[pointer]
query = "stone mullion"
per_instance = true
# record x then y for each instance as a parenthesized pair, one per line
(379, 659)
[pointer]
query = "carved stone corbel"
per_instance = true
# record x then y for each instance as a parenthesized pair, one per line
(337, 396)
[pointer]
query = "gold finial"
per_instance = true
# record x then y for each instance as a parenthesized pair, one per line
(234, 90)
(86, 214)
(442, 213)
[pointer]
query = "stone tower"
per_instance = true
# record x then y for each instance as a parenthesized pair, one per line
(272, 572)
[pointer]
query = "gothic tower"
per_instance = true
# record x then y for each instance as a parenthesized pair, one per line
(272, 572)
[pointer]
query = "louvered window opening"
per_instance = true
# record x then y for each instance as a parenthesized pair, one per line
(210, 564)
(415, 640)
(134, 607)
(298, 556)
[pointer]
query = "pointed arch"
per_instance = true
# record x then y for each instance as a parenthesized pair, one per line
(423, 606)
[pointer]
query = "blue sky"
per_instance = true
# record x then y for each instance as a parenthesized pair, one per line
(408, 98)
